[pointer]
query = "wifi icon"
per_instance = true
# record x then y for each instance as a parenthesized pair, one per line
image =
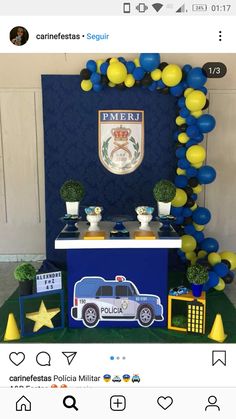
(157, 6)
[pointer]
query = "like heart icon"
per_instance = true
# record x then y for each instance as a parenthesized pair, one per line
(17, 358)
(165, 402)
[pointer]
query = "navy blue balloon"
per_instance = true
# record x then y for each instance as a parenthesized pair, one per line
(192, 130)
(199, 137)
(122, 60)
(196, 78)
(189, 229)
(175, 135)
(210, 245)
(161, 84)
(103, 68)
(184, 112)
(190, 120)
(177, 90)
(180, 152)
(187, 212)
(191, 171)
(202, 216)
(138, 73)
(187, 68)
(149, 61)
(221, 269)
(194, 196)
(97, 87)
(130, 66)
(181, 181)
(199, 236)
(179, 220)
(206, 123)
(213, 280)
(176, 211)
(206, 175)
(183, 163)
(190, 143)
(203, 90)
(91, 66)
(152, 87)
(95, 78)
(181, 102)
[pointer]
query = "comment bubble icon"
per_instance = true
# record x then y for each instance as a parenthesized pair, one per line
(43, 359)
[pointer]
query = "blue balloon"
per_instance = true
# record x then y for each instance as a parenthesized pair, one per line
(176, 211)
(206, 123)
(199, 236)
(189, 229)
(213, 280)
(192, 130)
(184, 112)
(221, 269)
(175, 135)
(152, 87)
(161, 84)
(190, 143)
(122, 60)
(187, 212)
(177, 90)
(179, 220)
(206, 175)
(180, 152)
(130, 66)
(202, 216)
(181, 102)
(149, 61)
(138, 73)
(181, 181)
(91, 66)
(194, 196)
(196, 78)
(198, 138)
(203, 90)
(210, 245)
(183, 163)
(190, 120)
(103, 68)
(187, 68)
(191, 171)
(95, 78)
(97, 87)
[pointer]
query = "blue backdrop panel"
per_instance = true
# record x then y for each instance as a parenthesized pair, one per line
(146, 268)
(71, 149)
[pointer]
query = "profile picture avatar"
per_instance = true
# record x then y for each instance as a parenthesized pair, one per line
(19, 36)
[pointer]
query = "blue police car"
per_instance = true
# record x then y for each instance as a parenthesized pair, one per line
(97, 299)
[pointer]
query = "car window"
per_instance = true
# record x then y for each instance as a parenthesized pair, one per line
(105, 291)
(123, 291)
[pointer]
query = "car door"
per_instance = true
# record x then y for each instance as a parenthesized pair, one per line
(124, 300)
(105, 300)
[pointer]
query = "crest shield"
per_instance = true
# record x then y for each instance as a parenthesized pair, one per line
(121, 140)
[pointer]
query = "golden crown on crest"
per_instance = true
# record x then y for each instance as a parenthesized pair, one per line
(121, 133)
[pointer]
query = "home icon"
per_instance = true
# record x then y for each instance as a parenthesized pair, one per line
(23, 404)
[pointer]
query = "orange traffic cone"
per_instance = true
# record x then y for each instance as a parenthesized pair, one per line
(12, 332)
(217, 331)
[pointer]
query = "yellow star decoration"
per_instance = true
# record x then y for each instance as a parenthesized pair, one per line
(43, 317)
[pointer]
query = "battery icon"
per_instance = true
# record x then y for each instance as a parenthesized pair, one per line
(126, 7)
(199, 7)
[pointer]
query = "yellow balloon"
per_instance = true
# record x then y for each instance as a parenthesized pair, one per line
(117, 72)
(193, 207)
(188, 91)
(198, 227)
(137, 62)
(190, 255)
(130, 80)
(180, 171)
(156, 74)
(197, 114)
(197, 189)
(110, 84)
(202, 253)
(214, 258)
(99, 63)
(180, 121)
(183, 137)
(195, 101)
(180, 198)
(196, 154)
(86, 85)
(188, 243)
(171, 75)
(220, 286)
(113, 60)
(231, 257)
(197, 165)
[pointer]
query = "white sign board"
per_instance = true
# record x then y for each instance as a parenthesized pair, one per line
(50, 281)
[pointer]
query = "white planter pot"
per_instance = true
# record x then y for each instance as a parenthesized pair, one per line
(72, 208)
(144, 220)
(163, 208)
(94, 220)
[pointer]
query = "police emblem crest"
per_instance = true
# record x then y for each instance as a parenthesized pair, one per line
(121, 140)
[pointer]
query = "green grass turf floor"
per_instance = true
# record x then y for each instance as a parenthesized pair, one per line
(217, 302)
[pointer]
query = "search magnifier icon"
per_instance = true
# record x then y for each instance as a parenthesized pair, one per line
(70, 402)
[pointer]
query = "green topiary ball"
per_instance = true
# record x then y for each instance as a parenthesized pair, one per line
(197, 274)
(164, 191)
(24, 272)
(72, 191)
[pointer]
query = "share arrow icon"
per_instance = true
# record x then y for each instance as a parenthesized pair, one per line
(70, 356)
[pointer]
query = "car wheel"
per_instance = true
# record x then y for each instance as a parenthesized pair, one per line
(90, 315)
(145, 316)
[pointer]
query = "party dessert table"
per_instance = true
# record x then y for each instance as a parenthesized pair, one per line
(115, 281)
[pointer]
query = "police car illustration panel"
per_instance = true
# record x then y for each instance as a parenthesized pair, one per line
(98, 299)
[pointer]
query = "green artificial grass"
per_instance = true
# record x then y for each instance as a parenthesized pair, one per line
(217, 302)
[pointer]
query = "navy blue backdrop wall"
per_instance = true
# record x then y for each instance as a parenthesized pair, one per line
(71, 149)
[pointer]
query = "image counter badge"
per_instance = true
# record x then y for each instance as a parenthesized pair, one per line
(121, 140)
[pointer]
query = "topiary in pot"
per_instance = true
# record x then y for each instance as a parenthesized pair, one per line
(164, 192)
(197, 275)
(25, 273)
(72, 191)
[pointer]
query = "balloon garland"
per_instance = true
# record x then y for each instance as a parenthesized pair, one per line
(187, 84)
